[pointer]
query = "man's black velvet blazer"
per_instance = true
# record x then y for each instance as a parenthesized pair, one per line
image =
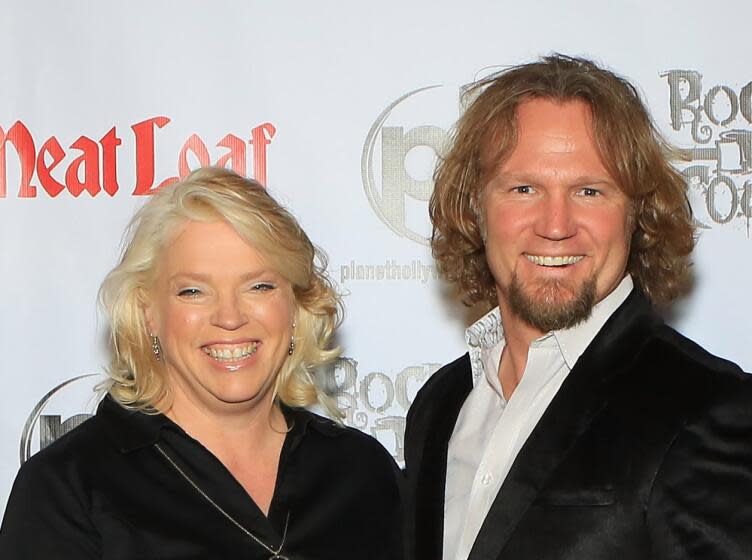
(644, 453)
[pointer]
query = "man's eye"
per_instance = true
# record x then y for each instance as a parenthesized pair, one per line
(589, 191)
(522, 189)
(263, 287)
(189, 292)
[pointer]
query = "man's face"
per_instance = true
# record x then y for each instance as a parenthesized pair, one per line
(557, 225)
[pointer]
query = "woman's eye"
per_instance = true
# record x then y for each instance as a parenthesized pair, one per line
(189, 292)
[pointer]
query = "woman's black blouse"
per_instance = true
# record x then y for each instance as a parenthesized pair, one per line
(104, 491)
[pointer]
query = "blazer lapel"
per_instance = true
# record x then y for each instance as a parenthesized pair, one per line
(578, 401)
(430, 476)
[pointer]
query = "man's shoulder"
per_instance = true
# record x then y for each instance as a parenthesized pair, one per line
(637, 334)
(442, 395)
(454, 376)
(691, 363)
(693, 379)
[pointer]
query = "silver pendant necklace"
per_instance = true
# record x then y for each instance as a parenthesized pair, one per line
(275, 553)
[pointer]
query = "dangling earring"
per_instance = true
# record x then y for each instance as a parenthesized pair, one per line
(155, 347)
(291, 348)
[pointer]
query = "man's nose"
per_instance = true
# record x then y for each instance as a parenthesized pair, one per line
(556, 217)
(229, 313)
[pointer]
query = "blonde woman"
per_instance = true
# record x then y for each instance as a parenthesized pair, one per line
(202, 448)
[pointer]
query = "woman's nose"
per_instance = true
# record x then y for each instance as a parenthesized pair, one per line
(229, 314)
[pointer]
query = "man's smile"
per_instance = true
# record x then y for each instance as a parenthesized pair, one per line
(559, 260)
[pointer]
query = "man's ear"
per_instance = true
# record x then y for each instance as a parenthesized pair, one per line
(476, 205)
(634, 209)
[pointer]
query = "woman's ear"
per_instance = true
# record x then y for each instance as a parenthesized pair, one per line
(150, 318)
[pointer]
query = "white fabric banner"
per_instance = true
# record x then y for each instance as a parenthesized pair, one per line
(339, 108)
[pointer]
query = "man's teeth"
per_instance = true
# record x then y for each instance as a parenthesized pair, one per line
(231, 353)
(553, 261)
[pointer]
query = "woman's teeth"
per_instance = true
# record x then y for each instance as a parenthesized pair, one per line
(553, 261)
(225, 353)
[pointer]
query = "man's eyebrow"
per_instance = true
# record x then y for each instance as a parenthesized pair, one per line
(593, 180)
(533, 179)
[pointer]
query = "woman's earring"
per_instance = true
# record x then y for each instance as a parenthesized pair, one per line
(291, 348)
(155, 347)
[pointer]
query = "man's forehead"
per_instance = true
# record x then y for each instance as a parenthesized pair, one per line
(540, 123)
(503, 132)
(542, 112)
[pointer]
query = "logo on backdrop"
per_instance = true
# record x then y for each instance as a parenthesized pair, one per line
(718, 122)
(397, 160)
(400, 172)
(91, 166)
(376, 403)
(57, 413)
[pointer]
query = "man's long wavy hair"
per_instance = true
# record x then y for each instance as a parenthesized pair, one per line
(632, 150)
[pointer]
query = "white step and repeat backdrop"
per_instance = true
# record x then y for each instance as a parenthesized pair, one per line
(339, 107)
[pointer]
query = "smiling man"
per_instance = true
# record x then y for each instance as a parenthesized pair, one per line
(578, 425)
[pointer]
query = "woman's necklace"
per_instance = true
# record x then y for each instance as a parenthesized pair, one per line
(275, 554)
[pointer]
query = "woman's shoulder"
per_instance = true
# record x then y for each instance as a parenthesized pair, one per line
(79, 456)
(348, 443)
(50, 500)
(74, 447)
(346, 471)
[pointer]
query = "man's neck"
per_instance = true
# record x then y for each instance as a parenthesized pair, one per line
(518, 335)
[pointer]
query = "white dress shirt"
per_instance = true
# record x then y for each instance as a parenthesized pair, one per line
(490, 431)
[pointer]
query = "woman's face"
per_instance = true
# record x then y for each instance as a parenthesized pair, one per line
(223, 317)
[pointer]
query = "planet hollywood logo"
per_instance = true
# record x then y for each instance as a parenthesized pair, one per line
(718, 122)
(399, 156)
(58, 412)
(91, 166)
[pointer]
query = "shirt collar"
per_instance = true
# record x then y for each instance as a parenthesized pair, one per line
(130, 429)
(488, 331)
(574, 341)
(481, 337)
(133, 429)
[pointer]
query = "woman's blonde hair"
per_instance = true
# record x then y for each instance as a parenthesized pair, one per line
(136, 378)
(631, 148)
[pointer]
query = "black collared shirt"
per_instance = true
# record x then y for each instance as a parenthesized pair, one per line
(104, 491)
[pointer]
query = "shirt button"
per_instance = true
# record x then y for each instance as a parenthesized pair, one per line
(486, 479)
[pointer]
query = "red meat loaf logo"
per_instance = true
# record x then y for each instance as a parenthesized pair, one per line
(94, 167)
